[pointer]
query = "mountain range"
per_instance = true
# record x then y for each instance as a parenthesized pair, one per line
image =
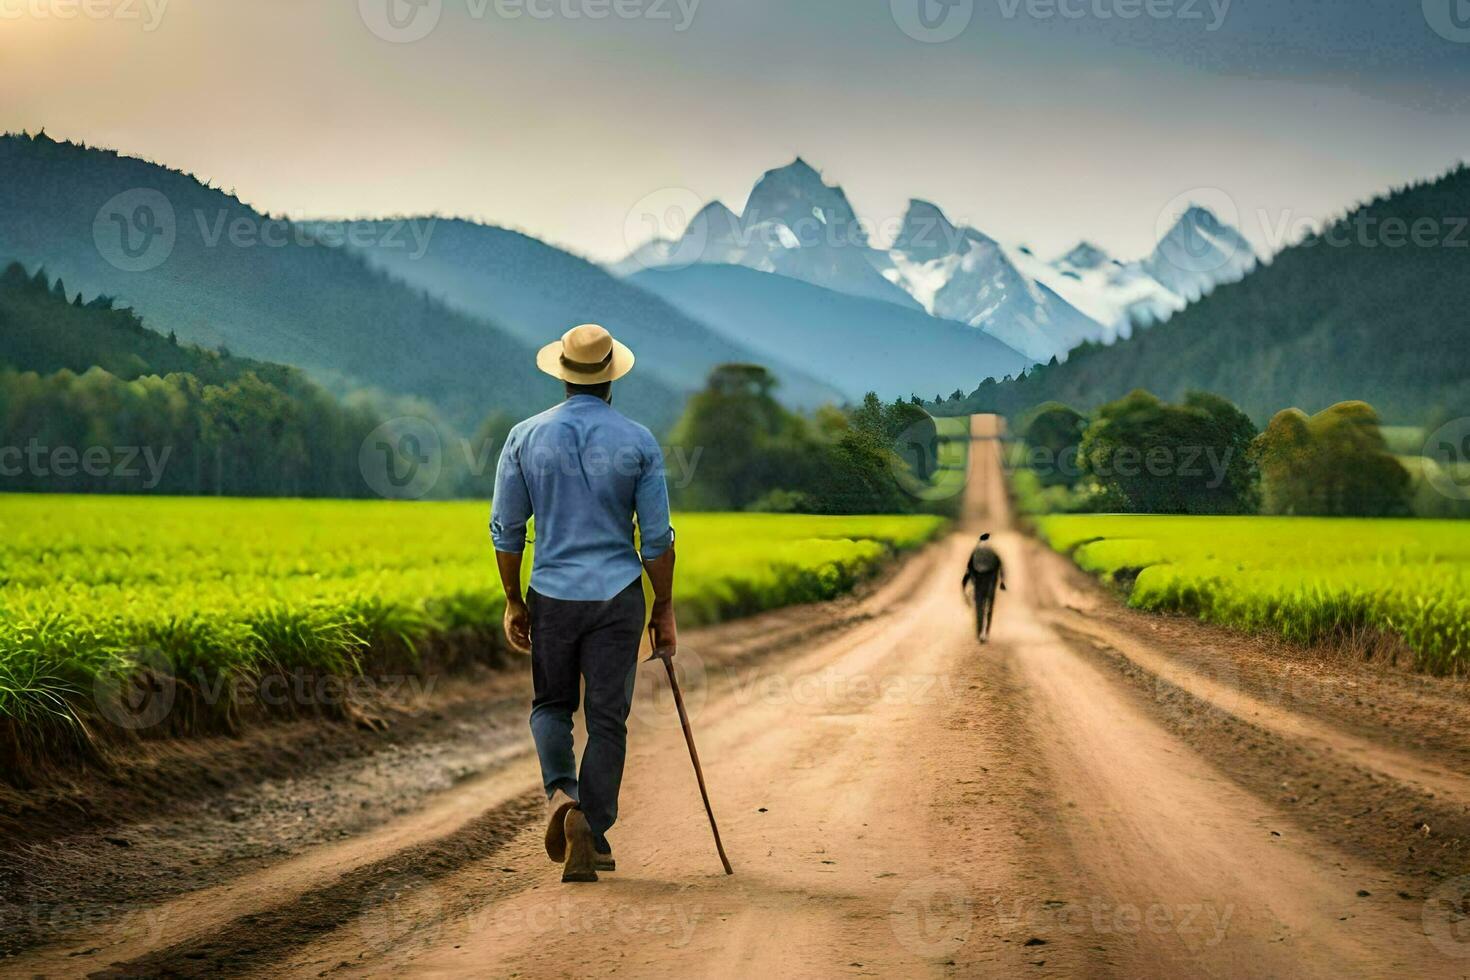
(796, 225)
(860, 344)
(198, 262)
(534, 291)
(1356, 311)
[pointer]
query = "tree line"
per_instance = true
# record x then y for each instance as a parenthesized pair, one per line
(93, 401)
(1371, 307)
(1203, 455)
(756, 455)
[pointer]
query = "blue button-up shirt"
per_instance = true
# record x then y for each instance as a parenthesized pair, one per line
(584, 471)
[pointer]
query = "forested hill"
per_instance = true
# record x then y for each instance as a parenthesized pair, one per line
(196, 261)
(88, 392)
(1373, 309)
(44, 328)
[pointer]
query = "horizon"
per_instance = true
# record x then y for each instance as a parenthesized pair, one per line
(563, 126)
(882, 234)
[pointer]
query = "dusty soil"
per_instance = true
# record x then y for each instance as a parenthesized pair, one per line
(1095, 793)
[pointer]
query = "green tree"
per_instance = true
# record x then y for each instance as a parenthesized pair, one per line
(1053, 431)
(1158, 458)
(1335, 463)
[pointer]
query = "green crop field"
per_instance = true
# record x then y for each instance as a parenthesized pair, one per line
(97, 586)
(1307, 579)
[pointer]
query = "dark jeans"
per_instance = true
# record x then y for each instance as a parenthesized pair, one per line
(597, 643)
(985, 586)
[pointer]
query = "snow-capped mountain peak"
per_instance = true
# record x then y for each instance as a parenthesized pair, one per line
(962, 274)
(797, 225)
(1199, 253)
(797, 197)
(926, 233)
(1084, 255)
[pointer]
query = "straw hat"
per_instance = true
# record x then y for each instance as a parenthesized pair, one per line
(585, 355)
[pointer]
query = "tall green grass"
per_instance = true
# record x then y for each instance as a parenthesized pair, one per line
(103, 589)
(1309, 580)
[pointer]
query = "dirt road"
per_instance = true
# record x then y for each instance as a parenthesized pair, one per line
(1093, 793)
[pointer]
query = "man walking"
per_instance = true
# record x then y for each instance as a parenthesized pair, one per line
(585, 472)
(984, 571)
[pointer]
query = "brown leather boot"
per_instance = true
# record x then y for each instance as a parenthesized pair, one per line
(581, 863)
(556, 822)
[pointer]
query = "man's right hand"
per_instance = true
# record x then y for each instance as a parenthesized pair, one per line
(665, 630)
(518, 625)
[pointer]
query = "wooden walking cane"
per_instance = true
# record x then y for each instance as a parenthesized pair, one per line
(667, 657)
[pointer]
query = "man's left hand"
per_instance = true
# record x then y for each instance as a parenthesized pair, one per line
(518, 625)
(665, 632)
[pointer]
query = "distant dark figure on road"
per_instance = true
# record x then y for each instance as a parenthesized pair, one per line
(984, 572)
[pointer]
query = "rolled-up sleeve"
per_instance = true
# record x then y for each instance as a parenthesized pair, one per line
(655, 533)
(511, 507)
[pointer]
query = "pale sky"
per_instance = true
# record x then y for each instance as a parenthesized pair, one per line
(1041, 121)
